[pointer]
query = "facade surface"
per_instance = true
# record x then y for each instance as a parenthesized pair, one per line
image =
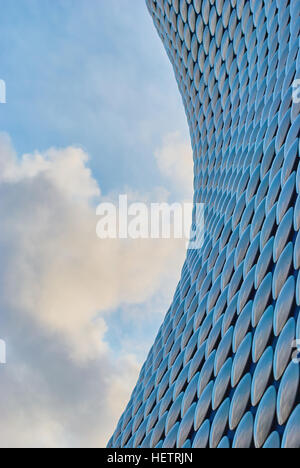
(223, 371)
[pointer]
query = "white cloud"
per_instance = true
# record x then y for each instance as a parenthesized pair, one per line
(65, 169)
(63, 273)
(175, 161)
(62, 386)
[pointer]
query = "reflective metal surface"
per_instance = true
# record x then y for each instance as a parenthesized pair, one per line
(223, 371)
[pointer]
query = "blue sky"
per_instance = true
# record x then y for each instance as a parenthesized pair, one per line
(92, 111)
(91, 73)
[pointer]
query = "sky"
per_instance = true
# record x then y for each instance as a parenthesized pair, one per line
(92, 111)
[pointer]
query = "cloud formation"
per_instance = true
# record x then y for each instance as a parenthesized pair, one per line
(62, 385)
(175, 161)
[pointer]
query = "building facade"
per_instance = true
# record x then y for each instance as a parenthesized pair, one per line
(224, 368)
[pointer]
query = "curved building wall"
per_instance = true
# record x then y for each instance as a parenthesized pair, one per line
(224, 370)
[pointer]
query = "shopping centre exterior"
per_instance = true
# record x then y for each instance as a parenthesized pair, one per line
(224, 368)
